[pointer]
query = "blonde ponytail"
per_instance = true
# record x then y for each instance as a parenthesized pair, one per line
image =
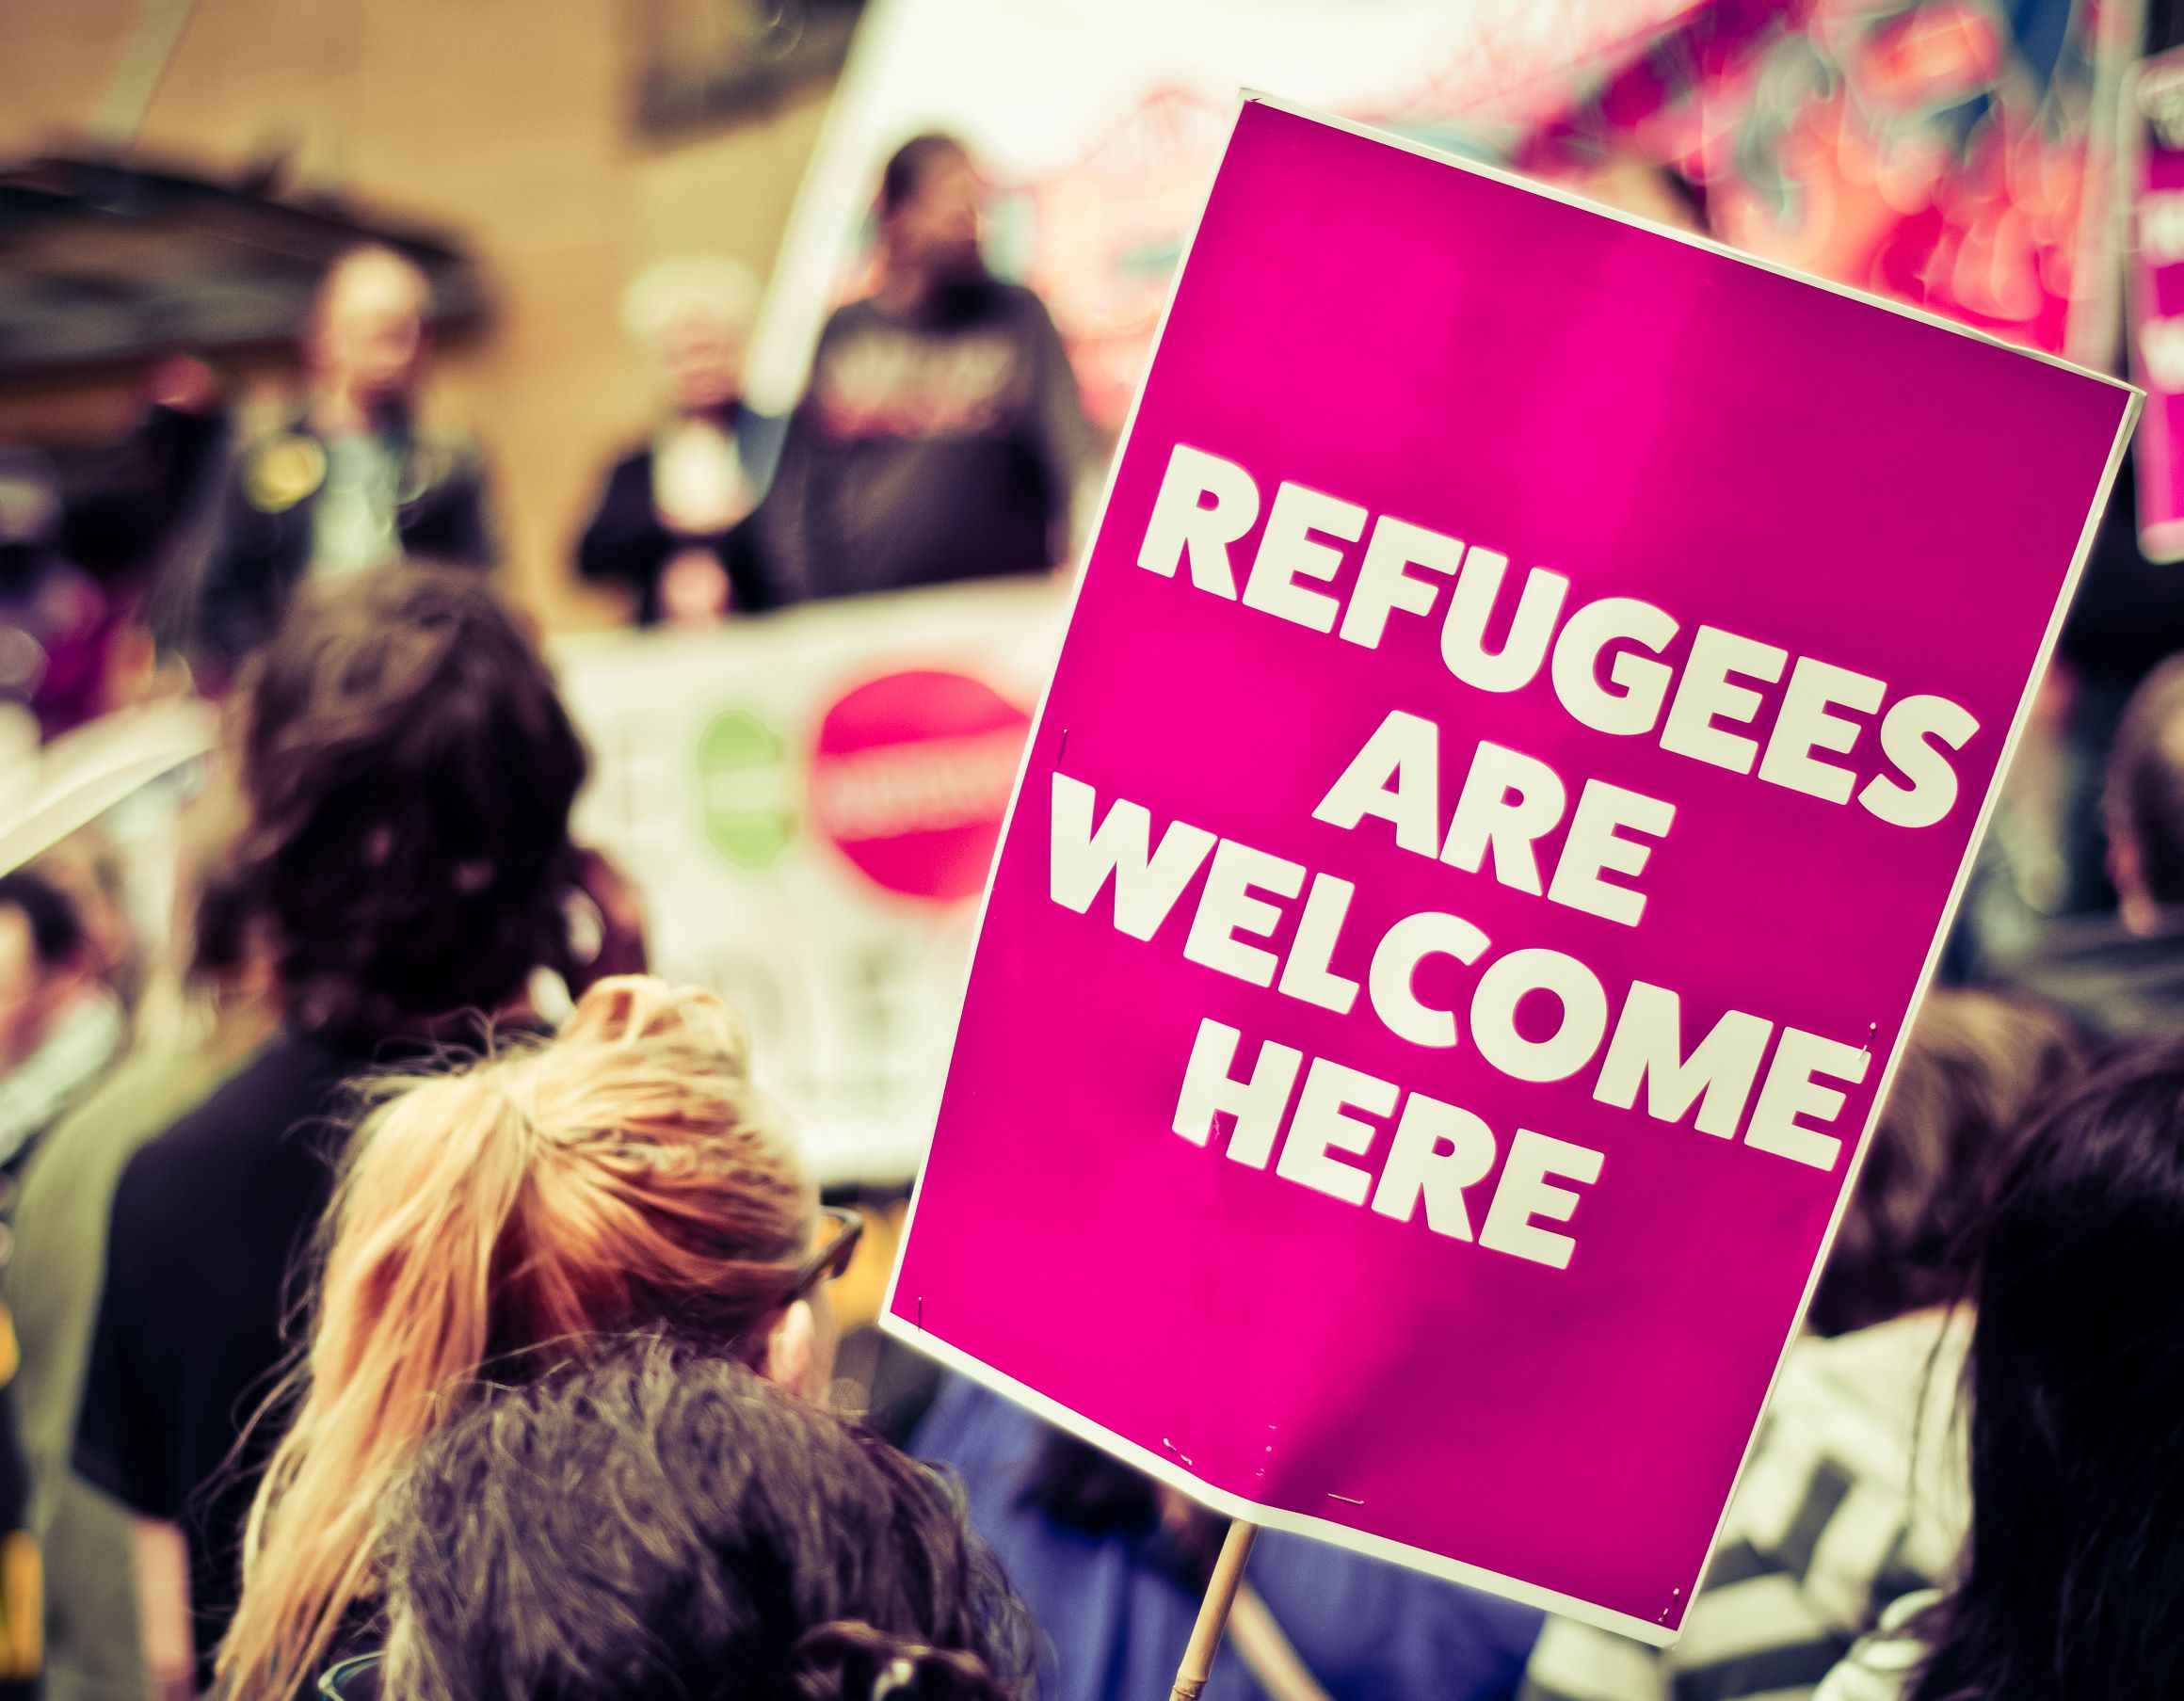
(622, 1175)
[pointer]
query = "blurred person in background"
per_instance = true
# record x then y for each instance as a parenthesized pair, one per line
(2071, 1580)
(353, 481)
(93, 1647)
(60, 1023)
(1113, 1566)
(407, 773)
(138, 516)
(56, 626)
(490, 1222)
(943, 437)
(2126, 616)
(1854, 1490)
(2121, 973)
(657, 1521)
(668, 525)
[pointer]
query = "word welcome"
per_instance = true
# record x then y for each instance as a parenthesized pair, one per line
(1774, 1083)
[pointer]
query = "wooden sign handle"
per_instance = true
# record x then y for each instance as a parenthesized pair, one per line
(1214, 1612)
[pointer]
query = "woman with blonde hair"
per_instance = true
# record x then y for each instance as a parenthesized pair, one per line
(623, 1175)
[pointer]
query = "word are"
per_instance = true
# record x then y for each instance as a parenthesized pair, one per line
(1509, 803)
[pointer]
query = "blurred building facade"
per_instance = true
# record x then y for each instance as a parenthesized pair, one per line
(515, 125)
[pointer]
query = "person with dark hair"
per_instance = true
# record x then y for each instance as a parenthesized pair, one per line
(657, 1519)
(2071, 1582)
(2121, 973)
(942, 437)
(407, 772)
(354, 480)
(60, 1026)
(1854, 1492)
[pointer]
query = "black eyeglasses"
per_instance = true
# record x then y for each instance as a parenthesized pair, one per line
(841, 1226)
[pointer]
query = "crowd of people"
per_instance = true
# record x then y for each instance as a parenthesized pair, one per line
(435, 1308)
(941, 438)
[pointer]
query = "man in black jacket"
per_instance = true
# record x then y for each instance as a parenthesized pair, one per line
(353, 481)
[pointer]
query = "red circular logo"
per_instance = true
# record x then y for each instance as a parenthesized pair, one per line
(910, 779)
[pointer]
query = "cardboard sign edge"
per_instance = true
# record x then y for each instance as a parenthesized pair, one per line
(1657, 1634)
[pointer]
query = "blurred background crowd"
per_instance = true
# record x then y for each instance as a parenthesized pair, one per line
(497, 499)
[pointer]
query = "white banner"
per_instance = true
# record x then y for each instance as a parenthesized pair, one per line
(807, 805)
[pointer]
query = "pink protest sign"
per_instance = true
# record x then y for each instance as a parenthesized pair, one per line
(1521, 730)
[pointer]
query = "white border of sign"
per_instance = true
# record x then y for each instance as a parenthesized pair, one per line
(1342, 1535)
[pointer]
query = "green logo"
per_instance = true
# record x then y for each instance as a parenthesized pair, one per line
(744, 788)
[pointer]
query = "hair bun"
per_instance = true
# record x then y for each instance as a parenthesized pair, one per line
(633, 1009)
(851, 1661)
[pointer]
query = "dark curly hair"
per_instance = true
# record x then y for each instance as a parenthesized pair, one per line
(653, 1518)
(1979, 1069)
(409, 772)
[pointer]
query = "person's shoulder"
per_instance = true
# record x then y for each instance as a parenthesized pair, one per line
(1020, 302)
(849, 317)
(628, 480)
(2096, 936)
(145, 1094)
(293, 1080)
(2115, 983)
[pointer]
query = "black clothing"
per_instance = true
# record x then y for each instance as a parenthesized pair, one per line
(939, 446)
(627, 542)
(125, 503)
(201, 1272)
(2122, 988)
(263, 536)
